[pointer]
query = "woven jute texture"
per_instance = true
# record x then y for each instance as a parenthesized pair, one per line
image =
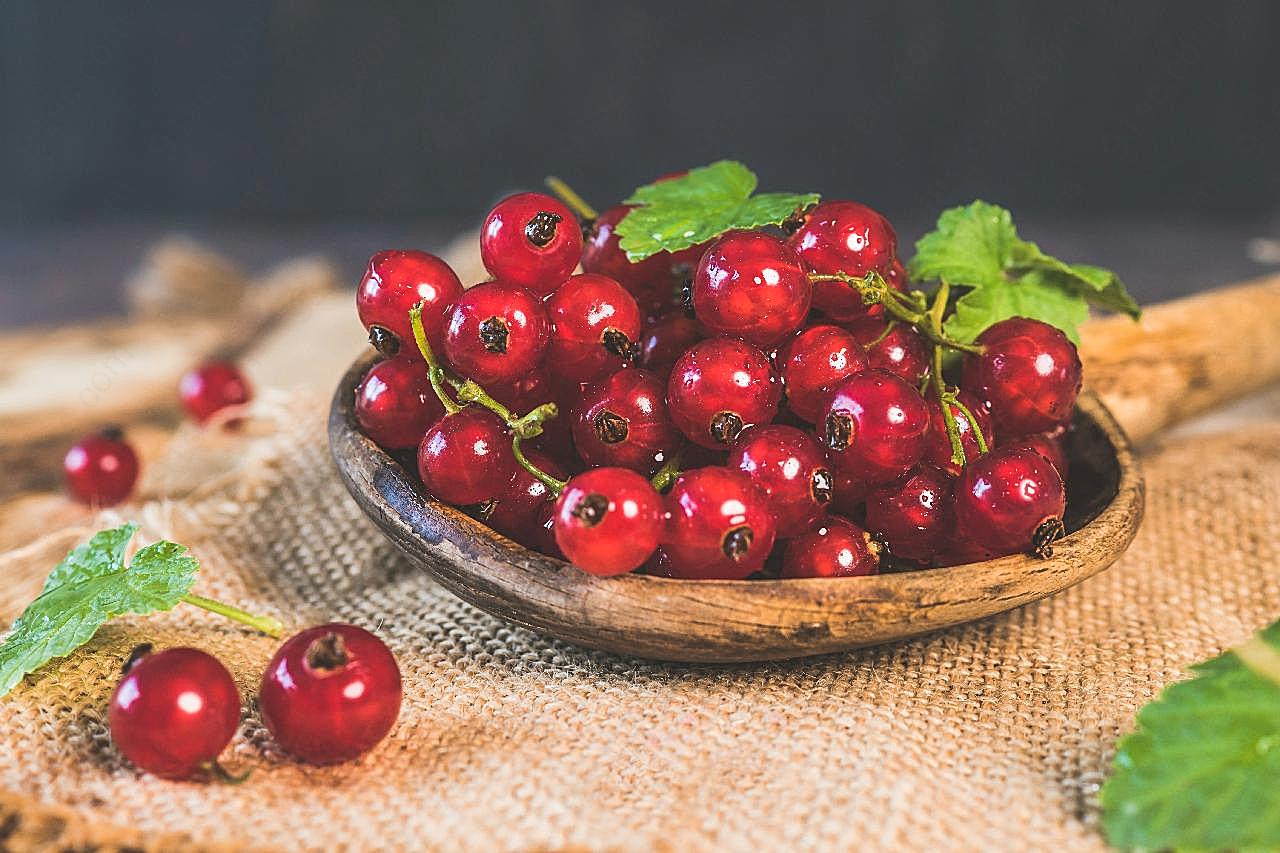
(992, 736)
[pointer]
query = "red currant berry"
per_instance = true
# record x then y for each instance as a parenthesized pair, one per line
(720, 525)
(622, 422)
(601, 254)
(895, 347)
(212, 387)
(875, 426)
(833, 548)
(720, 387)
(791, 468)
(752, 286)
(939, 444)
(395, 403)
(959, 551)
(331, 693)
(595, 326)
(496, 333)
(101, 469)
(393, 283)
(465, 458)
(913, 515)
(608, 521)
(518, 510)
(845, 237)
(850, 496)
(545, 540)
(531, 240)
(174, 711)
(1028, 373)
(666, 338)
(1010, 500)
(1048, 445)
(813, 363)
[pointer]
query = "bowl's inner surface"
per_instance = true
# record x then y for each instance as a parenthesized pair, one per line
(1093, 477)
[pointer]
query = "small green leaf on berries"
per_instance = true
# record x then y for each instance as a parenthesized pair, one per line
(1033, 297)
(677, 213)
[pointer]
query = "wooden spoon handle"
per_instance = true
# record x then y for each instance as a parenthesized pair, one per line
(1185, 356)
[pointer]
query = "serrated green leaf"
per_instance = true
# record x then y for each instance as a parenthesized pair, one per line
(1097, 285)
(708, 201)
(971, 246)
(90, 586)
(1032, 296)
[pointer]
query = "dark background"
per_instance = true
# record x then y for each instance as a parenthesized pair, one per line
(1142, 135)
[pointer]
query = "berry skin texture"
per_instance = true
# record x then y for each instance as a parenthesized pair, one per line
(331, 693)
(465, 458)
(875, 426)
(595, 326)
(833, 548)
(518, 511)
(898, 349)
(496, 333)
(622, 422)
(851, 238)
(939, 445)
(1048, 445)
(531, 240)
(752, 286)
(395, 403)
(720, 525)
(608, 521)
(212, 387)
(601, 254)
(666, 338)
(720, 387)
(174, 711)
(1029, 374)
(393, 283)
(913, 514)
(101, 469)
(813, 363)
(791, 468)
(1010, 500)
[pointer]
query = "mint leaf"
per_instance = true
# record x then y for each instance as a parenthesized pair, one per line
(1202, 770)
(681, 212)
(90, 586)
(1036, 296)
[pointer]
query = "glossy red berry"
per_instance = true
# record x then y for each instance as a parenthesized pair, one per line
(720, 525)
(395, 403)
(752, 286)
(1010, 500)
(595, 326)
(622, 422)
(101, 469)
(720, 387)
(331, 693)
(465, 458)
(531, 240)
(897, 348)
(939, 444)
(875, 426)
(913, 514)
(602, 254)
(812, 363)
(393, 283)
(608, 521)
(833, 547)
(664, 339)
(496, 332)
(847, 237)
(518, 510)
(1049, 445)
(174, 711)
(212, 387)
(959, 551)
(792, 469)
(1028, 373)
(850, 496)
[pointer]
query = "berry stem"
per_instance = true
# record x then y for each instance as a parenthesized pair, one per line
(270, 626)
(973, 424)
(939, 384)
(908, 308)
(434, 371)
(666, 476)
(571, 198)
(554, 485)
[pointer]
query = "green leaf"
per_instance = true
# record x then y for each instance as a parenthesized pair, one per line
(971, 246)
(681, 212)
(1098, 286)
(1202, 770)
(1033, 296)
(90, 586)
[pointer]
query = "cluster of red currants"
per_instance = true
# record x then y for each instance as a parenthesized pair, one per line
(771, 400)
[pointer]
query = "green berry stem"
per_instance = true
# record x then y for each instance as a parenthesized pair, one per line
(666, 476)
(266, 624)
(566, 194)
(911, 309)
(973, 423)
(554, 485)
(934, 323)
(435, 372)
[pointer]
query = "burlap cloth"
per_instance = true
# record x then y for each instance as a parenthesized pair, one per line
(994, 735)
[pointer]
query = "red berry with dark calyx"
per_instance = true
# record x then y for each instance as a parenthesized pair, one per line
(850, 238)
(1049, 445)
(1028, 373)
(518, 510)
(595, 326)
(875, 426)
(622, 422)
(752, 286)
(812, 363)
(101, 469)
(331, 693)
(465, 458)
(395, 403)
(1010, 500)
(531, 240)
(496, 332)
(833, 548)
(174, 711)
(720, 525)
(720, 387)
(913, 515)
(212, 387)
(664, 339)
(608, 521)
(939, 450)
(791, 468)
(393, 283)
(895, 347)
